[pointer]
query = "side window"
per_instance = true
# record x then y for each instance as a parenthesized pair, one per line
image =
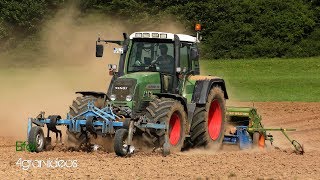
(195, 63)
(184, 56)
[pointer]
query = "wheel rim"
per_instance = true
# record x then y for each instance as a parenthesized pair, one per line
(214, 120)
(261, 141)
(39, 140)
(124, 145)
(174, 129)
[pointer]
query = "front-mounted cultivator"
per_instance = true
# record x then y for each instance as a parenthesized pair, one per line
(246, 130)
(94, 121)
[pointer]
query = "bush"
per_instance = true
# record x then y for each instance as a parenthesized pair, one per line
(231, 28)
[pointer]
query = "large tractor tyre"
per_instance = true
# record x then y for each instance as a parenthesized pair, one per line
(172, 113)
(208, 123)
(36, 139)
(79, 105)
(76, 140)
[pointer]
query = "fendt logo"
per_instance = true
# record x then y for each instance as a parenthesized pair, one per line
(24, 145)
(121, 88)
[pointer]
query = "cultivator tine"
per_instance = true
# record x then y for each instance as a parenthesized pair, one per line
(166, 145)
(52, 127)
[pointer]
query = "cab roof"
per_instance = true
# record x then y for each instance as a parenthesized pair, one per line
(163, 35)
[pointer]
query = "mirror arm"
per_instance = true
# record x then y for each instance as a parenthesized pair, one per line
(120, 43)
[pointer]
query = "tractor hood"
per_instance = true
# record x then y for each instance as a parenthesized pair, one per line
(143, 77)
(136, 84)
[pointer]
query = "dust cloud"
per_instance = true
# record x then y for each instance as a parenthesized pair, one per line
(66, 64)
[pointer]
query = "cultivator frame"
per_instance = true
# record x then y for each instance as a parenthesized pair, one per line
(74, 124)
(97, 122)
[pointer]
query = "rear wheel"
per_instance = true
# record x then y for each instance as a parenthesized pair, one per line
(79, 105)
(170, 112)
(208, 123)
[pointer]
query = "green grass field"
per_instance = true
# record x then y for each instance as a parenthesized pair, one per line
(268, 79)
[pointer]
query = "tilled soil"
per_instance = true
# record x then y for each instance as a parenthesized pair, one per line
(272, 163)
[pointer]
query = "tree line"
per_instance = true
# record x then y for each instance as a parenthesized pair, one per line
(231, 28)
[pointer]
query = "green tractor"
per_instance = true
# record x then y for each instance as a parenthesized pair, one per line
(158, 81)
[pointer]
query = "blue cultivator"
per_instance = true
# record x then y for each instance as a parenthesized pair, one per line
(94, 121)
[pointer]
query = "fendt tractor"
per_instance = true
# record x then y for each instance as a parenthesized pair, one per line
(156, 95)
(158, 82)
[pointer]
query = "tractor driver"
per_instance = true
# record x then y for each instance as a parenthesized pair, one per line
(165, 61)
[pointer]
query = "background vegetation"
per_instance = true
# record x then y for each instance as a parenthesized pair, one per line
(273, 79)
(231, 28)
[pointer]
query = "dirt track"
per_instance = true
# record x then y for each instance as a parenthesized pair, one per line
(271, 164)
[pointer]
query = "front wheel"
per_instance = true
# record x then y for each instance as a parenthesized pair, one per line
(76, 140)
(171, 113)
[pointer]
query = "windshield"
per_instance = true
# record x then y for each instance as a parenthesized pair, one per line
(147, 55)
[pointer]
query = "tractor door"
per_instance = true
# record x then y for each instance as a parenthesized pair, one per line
(167, 71)
(185, 63)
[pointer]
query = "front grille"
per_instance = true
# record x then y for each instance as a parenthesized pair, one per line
(123, 87)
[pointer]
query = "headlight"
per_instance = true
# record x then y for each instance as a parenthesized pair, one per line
(129, 98)
(113, 97)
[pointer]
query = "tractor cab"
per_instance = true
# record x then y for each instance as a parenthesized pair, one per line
(151, 63)
(165, 53)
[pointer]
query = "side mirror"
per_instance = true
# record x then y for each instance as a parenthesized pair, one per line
(112, 67)
(194, 54)
(99, 50)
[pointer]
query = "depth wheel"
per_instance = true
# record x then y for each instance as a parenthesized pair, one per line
(36, 140)
(120, 145)
(298, 147)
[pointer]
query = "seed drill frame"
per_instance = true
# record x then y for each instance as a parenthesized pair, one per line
(247, 123)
